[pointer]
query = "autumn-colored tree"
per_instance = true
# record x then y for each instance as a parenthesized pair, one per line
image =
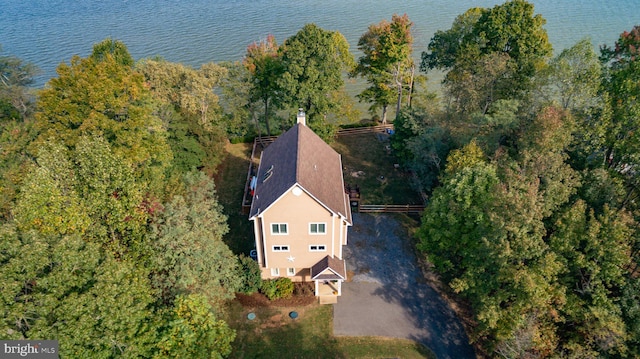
(386, 63)
(265, 66)
(102, 96)
(189, 108)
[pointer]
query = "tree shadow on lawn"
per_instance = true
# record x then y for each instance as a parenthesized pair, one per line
(379, 252)
(230, 180)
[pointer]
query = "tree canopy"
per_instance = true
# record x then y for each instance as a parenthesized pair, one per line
(500, 48)
(386, 62)
(313, 60)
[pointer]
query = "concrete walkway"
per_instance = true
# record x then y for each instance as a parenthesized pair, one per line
(388, 295)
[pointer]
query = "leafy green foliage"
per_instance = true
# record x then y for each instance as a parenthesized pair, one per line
(88, 191)
(277, 288)
(103, 97)
(15, 100)
(265, 66)
(491, 54)
(313, 60)
(189, 255)
(630, 303)
(194, 332)
(386, 62)
(66, 288)
(113, 48)
(595, 252)
(15, 137)
(249, 272)
(190, 110)
(573, 78)
(91, 253)
(621, 84)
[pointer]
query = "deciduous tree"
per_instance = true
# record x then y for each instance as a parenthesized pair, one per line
(67, 288)
(15, 77)
(189, 255)
(194, 332)
(509, 29)
(103, 97)
(265, 66)
(386, 62)
(313, 60)
(190, 111)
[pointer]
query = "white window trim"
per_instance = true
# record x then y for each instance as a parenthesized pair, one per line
(279, 233)
(291, 272)
(275, 272)
(281, 248)
(318, 248)
(318, 233)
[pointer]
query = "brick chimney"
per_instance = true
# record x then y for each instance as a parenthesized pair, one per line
(301, 117)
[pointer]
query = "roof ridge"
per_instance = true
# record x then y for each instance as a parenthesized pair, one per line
(298, 147)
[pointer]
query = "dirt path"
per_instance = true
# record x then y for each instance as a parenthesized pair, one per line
(388, 295)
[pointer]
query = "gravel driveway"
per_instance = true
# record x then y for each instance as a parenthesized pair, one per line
(388, 295)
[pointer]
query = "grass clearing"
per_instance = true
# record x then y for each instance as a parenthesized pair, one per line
(273, 334)
(230, 181)
(368, 163)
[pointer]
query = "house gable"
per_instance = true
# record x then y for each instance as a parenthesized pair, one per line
(329, 268)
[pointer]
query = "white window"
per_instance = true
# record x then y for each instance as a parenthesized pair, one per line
(317, 248)
(280, 248)
(317, 228)
(275, 272)
(278, 228)
(291, 272)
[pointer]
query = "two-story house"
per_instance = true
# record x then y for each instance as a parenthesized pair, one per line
(300, 211)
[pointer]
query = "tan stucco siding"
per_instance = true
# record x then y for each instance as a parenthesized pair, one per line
(298, 212)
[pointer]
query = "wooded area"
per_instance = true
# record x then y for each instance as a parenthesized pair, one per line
(112, 237)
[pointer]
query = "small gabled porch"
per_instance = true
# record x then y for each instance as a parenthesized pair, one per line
(328, 275)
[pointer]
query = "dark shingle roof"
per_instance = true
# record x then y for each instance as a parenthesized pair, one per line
(299, 155)
(337, 269)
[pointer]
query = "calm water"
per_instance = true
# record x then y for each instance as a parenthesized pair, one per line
(47, 32)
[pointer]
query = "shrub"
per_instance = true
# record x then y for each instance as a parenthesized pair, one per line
(250, 274)
(277, 288)
(284, 287)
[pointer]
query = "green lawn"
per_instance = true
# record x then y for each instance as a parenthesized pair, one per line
(230, 180)
(368, 164)
(273, 334)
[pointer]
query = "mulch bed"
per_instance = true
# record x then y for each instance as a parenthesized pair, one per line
(303, 294)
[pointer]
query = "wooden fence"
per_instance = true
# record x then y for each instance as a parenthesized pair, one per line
(390, 208)
(361, 130)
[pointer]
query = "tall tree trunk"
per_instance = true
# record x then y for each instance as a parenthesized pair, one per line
(266, 115)
(399, 85)
(384, 114)
(413, 71)
(255, 119)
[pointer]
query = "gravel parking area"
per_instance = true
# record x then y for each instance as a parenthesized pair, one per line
(388, 295)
